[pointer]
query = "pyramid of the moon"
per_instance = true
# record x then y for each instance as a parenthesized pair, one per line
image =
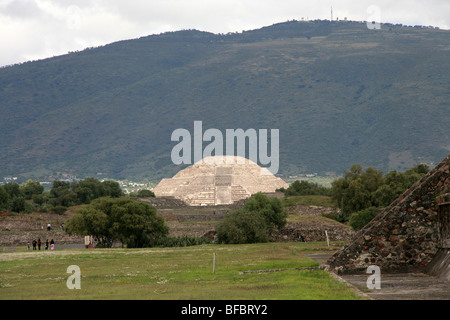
(219, 180)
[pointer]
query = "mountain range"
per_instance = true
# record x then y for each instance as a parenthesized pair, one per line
(339, 92)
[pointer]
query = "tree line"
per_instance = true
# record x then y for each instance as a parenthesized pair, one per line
(31, 196)
(361, 194)
(110, 217)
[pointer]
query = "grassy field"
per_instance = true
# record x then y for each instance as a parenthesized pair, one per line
(173, 274)
(309, 200)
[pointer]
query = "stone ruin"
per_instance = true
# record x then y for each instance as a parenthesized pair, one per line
(410, 235)
(219, 180)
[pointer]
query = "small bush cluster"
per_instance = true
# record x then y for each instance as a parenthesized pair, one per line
(254, 222)
(361, 218)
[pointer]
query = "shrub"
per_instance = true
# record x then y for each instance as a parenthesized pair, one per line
(38, 199)
(254, 222)
(145, 194)
(243, 226)
(58, 210)
(133, 223)
(272, 210)
(17, 204)
(361, 218)
(302, 188)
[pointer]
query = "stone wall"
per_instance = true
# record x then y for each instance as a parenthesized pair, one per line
(403, 237)
(313, 231)
(20, 229)
(164, 202)
(22, 238)
(28, 222)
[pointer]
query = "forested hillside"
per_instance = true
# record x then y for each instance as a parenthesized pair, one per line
(338, 92)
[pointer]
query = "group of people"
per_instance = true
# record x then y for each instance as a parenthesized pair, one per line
(37, 244)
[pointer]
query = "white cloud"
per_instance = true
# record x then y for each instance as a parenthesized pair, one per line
(34, 29)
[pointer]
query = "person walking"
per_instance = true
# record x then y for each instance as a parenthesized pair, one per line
(52, 244)
(46, 244)
(34, 244)
(39, 244)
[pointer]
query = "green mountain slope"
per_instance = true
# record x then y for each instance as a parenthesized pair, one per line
(338, 92)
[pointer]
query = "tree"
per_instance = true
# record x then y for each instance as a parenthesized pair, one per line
(254, 222)
(360, 219)
(145, 194)
(62, 195)
(357, 196)
(38, 199)
(131, 222)
(90, 188)
(354, 172)
(17, 204)
(372, 179)
(137, 224)
(271, 210)
(420, 169)
(84, 195)
(353, 191)
(385, 195)
(91, 221)
(3, 198)
(300, 188)
(242, 226)
(359, 190)
(31, 188)
(111, 189)
(87, 190)
(13, 190)
(396, 183)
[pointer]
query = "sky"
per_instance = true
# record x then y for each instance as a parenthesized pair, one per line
(38, 29)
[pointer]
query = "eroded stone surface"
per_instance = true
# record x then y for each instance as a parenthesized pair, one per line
(406, 235)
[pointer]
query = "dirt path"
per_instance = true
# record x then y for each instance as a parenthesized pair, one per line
(398, 286)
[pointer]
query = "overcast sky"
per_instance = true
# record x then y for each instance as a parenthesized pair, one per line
(37, 29)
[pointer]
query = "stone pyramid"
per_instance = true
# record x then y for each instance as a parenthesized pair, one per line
(219, 180)
(406, 235)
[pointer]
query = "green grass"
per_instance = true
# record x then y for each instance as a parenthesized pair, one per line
(172, 274)
(310, 200)
(294, 218)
